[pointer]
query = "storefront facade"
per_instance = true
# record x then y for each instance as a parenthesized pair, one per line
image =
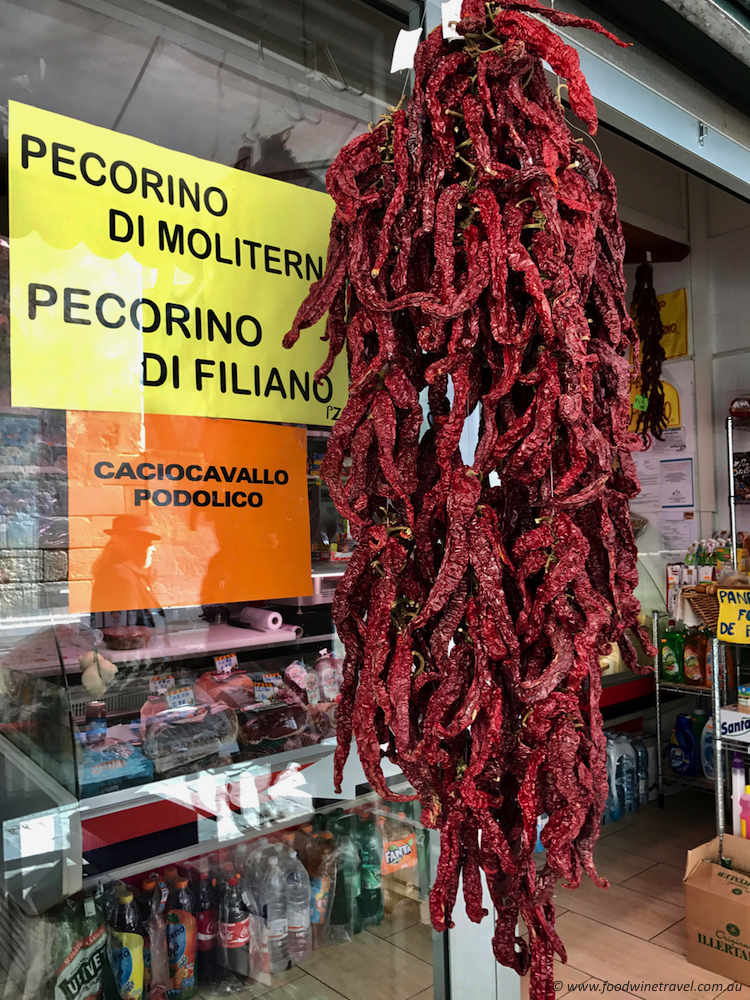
(167, 543)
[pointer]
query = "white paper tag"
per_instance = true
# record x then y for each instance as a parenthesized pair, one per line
(451, 12)
(160, 685)
(180, 698)
(405, 49)
(225, 664)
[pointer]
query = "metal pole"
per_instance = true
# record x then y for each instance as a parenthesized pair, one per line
(657, 689)
(732, 510)
(718, 742)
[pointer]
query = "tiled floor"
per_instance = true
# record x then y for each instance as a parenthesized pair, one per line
(389, 962)
(635, 930)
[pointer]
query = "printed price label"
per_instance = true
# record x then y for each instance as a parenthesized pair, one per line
(225, 664)
(180, 698)
(640, 403)
(264, 693)
(160, 685)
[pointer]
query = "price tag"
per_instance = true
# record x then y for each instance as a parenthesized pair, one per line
(89, 906)
(640, 403)
(734, 615)
(160, 685)
(451, 11)
(264, 693)
(405, 49)
(225, 664)
(180, 698)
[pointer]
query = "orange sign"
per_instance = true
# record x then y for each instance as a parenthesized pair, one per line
(172, 511)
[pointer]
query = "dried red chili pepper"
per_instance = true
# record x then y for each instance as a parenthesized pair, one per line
(476, 258)
(646, 312)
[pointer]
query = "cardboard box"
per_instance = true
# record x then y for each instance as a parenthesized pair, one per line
(717, 909)
(735, 724)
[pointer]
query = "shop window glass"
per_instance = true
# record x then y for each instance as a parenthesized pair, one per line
(110, 715)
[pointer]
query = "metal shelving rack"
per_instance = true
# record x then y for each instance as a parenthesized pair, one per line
(719, 681)
(717, 693)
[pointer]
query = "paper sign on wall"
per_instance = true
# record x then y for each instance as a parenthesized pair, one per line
(734, 615)
(181, 511)
(149, 280)
(674, 319)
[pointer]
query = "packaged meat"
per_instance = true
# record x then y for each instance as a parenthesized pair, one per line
(127, 636)
(182, 736)
(111, 765)
(271, 723)
(235, 689)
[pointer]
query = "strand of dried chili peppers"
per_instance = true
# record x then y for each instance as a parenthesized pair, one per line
(653, 420)
(475, 263)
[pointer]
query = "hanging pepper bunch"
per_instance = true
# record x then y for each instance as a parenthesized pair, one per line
(475, 263)
(653, 420)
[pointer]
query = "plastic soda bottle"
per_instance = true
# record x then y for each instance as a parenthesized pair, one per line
(125, 945)
(207, 919)
(234, 929)
(371, 890)
(322, 884)
(348, 878)
(182, 932)
(273, 908)
(144, 904)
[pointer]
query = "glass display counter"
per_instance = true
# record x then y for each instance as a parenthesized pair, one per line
(201, 755)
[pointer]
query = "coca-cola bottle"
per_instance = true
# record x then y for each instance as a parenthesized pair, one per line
(234, 929)
(207, 915)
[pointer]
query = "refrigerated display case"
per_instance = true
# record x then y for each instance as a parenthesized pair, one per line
(178, 766)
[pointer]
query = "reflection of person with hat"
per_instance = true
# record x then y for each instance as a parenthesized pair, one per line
(122, 574)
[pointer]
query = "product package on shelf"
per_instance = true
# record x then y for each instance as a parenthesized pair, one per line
(179, 738)
(111, 765)
(631, 774)
(61, 953)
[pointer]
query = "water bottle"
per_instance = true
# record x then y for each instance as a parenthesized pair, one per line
(641, 766)
(273, 908)
(255, 867)
(625, 775)
(298, 910)
(240, 858)
(613, 809)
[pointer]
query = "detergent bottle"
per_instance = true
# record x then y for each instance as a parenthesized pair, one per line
(683, 749)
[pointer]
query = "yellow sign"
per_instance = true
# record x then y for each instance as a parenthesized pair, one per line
(145, 280)
(674, 319)
(734, 615)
